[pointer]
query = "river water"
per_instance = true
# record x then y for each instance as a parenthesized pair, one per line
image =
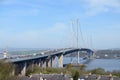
(107, 64)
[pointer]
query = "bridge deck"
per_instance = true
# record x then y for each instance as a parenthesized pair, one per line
(39, 56)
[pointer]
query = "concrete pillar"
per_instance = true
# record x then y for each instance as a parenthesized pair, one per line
(49, 62)
(39, 64)
(32, 64)
(44, 64)
(53, 61)
(35, 63)
(23, 71)
(60, 61)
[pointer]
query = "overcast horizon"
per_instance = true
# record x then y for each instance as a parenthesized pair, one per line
(46, 23)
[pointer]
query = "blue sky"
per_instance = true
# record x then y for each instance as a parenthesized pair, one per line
(46, 23)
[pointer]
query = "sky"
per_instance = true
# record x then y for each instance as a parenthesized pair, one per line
(47, 23)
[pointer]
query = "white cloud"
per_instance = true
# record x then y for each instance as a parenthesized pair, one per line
(98, 6)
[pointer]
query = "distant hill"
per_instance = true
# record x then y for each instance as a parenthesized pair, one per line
(22, 49)
(109, 53)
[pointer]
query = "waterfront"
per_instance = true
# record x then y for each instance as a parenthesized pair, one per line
(107, 64)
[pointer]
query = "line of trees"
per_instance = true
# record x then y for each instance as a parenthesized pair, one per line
(6, 70)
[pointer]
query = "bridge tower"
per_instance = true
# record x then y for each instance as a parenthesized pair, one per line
(75, 34)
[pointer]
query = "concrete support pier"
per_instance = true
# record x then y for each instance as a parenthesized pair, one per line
(39, 63)
(54, 61)
(23, 71)
(44, 64)
(60, 61)
(49, 62)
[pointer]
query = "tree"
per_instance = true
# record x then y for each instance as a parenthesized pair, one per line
(82, 67)
(69, 66)
(6, 69)
(98, 71)
(116, 73)
(76, 75)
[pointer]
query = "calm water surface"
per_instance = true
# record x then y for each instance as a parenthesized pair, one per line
(107, 64)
